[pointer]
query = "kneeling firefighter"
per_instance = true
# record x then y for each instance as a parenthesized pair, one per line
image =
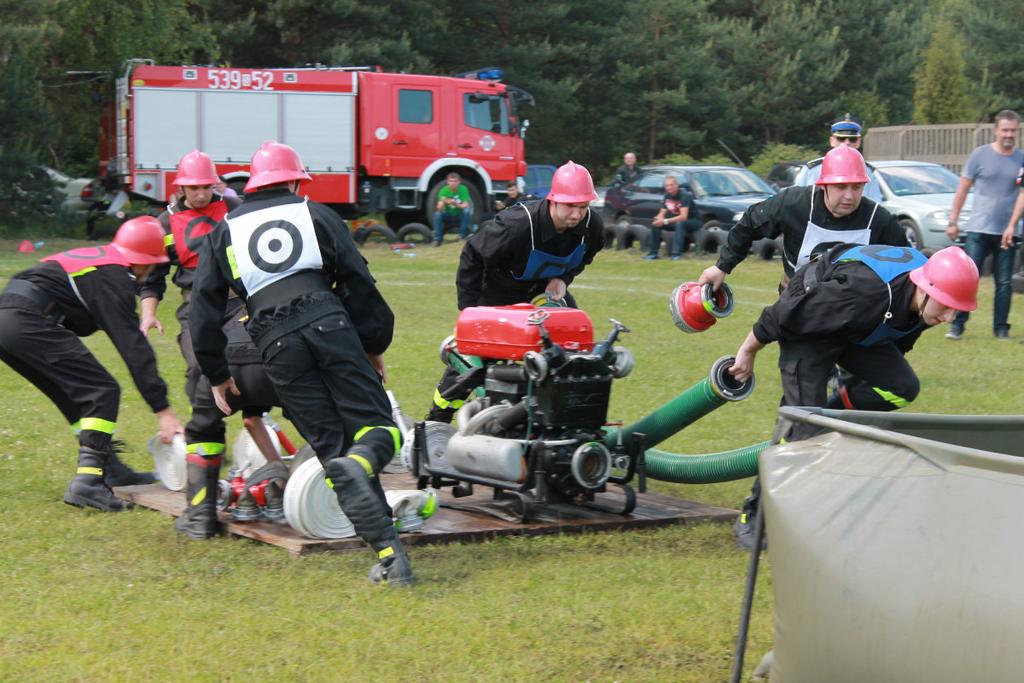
(321, 327)
(44, 311)
(533, 249)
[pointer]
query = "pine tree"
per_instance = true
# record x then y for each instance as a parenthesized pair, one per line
(940, 95)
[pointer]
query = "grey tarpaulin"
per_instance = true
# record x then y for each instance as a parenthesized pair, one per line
(897, 548)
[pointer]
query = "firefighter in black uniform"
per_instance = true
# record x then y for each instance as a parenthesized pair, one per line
(861, 308)
(532, 249)
(186, 222)
(43, 312)
(812, 219)
(321, 326)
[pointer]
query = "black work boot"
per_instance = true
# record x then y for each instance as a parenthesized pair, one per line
(119, 474)
(393, 566)
(88, 488)
(199, 520)
(362, 501)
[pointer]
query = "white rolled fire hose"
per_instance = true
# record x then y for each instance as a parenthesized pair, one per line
(169, 461)
(411, 508)
(311, 507)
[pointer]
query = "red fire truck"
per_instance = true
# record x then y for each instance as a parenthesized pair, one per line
(372, 141)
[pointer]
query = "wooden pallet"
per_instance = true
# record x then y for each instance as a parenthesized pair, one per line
(473, 518)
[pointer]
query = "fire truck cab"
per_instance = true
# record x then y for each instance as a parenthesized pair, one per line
(372, 141)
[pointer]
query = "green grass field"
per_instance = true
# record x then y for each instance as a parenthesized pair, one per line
(97, 597)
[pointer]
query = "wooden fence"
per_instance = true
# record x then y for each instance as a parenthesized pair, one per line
(948, 144)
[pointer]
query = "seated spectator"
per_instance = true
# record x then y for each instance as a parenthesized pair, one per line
(452, 208)
(514, 197)
(629, 171)
(678, 215)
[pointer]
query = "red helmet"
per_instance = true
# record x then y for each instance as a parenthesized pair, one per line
(141, 240)
(272, 163)
(196, 168)
(695, 307)
(842, 164)
(572, 184)
(950, 277)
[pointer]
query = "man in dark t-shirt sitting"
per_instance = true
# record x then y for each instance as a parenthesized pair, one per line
(677, 214)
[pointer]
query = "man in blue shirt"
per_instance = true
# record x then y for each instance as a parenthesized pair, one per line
(992, 170)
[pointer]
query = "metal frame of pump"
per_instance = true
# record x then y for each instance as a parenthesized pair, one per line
(564, 462)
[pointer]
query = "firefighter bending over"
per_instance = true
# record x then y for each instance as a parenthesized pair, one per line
(44, 311)
(861, 307)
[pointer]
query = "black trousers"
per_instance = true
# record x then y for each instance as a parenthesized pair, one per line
(194, 379)
(882, 379)
(57, 363)
(326, 383)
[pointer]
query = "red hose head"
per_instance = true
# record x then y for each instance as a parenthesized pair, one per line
(695, 307)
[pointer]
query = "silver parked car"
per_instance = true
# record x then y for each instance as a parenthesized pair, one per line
(920, 195)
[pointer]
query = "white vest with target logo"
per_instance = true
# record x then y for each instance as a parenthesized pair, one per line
(273, 243)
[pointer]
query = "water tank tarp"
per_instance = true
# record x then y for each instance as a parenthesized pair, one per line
(897, 548)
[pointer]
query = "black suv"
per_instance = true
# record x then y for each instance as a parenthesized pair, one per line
(721, 195)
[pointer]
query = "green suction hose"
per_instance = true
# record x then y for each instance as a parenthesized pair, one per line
(709, 468)
(718, 388)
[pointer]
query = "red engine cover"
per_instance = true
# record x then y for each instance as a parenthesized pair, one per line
(505, 333)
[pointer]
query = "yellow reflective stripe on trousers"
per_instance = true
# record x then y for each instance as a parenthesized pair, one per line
(97, 424)
(199, 497)
(386, 552)
(230, 253)
(91, 470)
(364, 462)
(205, 448)
(892, 398)
(396, 436)
(441, 403)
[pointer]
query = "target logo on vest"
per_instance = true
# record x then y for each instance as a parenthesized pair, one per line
(275, 246)
(192, 240)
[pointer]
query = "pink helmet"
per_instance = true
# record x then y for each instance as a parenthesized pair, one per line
(572, 184)
(141, 240)
(196, 168)
(950, 277)
(842, 164)
(272, 163)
